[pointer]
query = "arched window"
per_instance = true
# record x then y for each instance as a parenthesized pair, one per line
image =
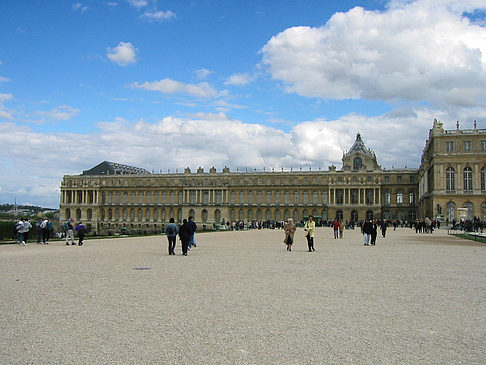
(192, 214)
(204, 215)
(354, 215)
(232, 215)
(268, 215)
(468, 181)
(450, 179)
(296, 215)
(242, 215)
(483, 208)
(217, 215)
(339, 215)
(369, 214)
(357, 163)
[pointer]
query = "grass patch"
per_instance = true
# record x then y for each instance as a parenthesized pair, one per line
(471, 237)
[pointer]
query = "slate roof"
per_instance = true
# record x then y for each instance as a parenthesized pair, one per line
(114, 168)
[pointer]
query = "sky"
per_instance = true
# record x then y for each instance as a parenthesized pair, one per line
(165, 85)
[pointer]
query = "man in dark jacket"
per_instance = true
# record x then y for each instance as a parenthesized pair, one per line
(367, 229)
(185, 234)
(171, 231)
(192, 241)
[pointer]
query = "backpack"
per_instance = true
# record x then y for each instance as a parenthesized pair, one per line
(66, 227)
(82, 229)
(170, 230)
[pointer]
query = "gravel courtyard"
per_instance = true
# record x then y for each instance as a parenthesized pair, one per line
(241, 298)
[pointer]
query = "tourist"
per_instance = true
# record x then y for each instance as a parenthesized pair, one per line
(374, 233)
(185, 234)
(171, 231)
(19, 228)
(335, 227)
(38, 230)
(289, 233)
(367, 229)
(384, 225)
(341, 229)
(46, 230)
(81, 231)
(69, 229)
(26, 226)
(192, 241)
(310, 226)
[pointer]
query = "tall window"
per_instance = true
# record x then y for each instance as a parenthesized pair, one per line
(411, 198)
(467, 146)
(449, 146)
(483, 179)
(483, 145)
(339, 196)
(451, 211)
(354, 196)
(450, 179)
(357, 163)
(400, 197)
(469, 207)
(468, 182)
(387, 198)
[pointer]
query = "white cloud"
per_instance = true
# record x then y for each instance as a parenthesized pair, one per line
(169, 86)
(203, 73)
(239, 79)
(4, 79)
(62, 112)
(123, 54)
(158, 15)
(79, 7)
(4, 112)
(138, 3)
(414, 50)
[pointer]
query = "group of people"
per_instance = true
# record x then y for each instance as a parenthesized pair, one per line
(22, 228)
(69, 229)
(186, 233)
(43, 227)
(290, 228)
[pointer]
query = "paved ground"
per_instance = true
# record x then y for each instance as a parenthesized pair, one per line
(241, 298)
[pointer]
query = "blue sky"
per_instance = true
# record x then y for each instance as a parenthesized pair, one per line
(169, 84)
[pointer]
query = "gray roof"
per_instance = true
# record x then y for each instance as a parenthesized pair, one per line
(114, 168)
(359, 147)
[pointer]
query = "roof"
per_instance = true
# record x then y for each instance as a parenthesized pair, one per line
(114, 168)
(359, 147)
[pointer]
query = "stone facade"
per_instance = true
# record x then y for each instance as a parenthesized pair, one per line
(453, 173)
(144, 202)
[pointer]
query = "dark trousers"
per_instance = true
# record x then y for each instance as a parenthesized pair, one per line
(310, 242)
(46, 234)
(172, 244)
(185, 243)
(81, 238)
(373, 238)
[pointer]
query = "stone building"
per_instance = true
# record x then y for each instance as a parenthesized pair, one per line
(452, 173)
(113, 197)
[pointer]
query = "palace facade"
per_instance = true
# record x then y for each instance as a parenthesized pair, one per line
(112, 197)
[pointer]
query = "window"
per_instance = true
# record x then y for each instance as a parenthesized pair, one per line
(450, 179)
(306, 197)
(412, 178)
(467, 146)
(357, 163)
(399, 178)
(387, 179)
(369, 196)
(400, 197)
(411, 198)
(339, 196)
(387, 198)
(468, 183)
(451, 211)
(483, 145)
(469, 207)
(450, 146)
(354, 196)
(269, 197)
(370, 179)
(260, 197)
(483, 179)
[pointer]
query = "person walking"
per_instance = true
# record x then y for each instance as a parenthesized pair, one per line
(374, 233)
(19, 228)
(384, 226)
(38, 230)
(81, 231)
(367, 229)
(310, 226)
(171, 231)
(335, 228)
(289, 233)
(46, 230)
(185, 234)
(69, 228)
(192, 241)
(341, 229)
